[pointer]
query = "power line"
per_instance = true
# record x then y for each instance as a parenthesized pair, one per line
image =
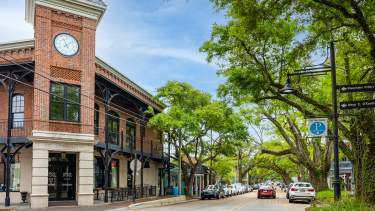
(50, 79)
(119, 107)
(72, 102)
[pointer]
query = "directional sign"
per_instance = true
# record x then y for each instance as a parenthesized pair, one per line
(317, 127)
(357, 104)
(357, 88)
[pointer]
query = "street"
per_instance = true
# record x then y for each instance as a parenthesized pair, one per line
(244, 202)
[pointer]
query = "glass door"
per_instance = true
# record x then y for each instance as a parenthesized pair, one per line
(61, 176)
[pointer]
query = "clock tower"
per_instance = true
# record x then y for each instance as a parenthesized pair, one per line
(64, 46)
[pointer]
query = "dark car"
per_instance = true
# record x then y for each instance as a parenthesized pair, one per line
(213, 191)
(266, 191)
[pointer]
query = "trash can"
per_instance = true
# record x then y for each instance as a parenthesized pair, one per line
(175, 191)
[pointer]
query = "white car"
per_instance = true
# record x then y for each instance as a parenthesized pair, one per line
(303, 191)
(227, 190)
(233, 189)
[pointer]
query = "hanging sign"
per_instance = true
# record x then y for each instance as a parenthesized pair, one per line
(357, 88)
(357, 104)
(317, 127)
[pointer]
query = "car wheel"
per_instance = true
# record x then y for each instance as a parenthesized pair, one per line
(218, 197)
(203, 198)
(290, 201)
(287, 196)
(273, 197)
(258, 197)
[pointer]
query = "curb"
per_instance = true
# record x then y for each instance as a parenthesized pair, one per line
(160, 203)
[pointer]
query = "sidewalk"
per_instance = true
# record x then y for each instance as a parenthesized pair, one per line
(96, 207)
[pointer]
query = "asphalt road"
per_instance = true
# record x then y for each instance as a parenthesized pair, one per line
(243, 202)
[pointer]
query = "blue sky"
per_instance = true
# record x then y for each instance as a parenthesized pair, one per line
(150, 41)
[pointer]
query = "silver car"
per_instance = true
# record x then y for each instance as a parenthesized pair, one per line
(301, 191)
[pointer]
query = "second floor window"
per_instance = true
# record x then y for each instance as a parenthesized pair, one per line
(65, 102)
(130, 133)
(113, 127)
(18, 108)
(96, 119)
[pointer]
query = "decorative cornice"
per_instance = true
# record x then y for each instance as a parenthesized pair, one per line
(84, 8)
(20, 44)
(125, 79)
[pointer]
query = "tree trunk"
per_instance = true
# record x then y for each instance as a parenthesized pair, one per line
(318, 179)
(189, 184)
(369, 174)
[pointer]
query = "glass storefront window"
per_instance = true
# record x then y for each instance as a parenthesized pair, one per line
(115, 173)
(15, 176)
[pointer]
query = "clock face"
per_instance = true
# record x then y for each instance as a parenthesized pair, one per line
(317, 128)
(66, 44)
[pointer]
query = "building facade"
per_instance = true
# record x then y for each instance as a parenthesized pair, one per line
(68, 118)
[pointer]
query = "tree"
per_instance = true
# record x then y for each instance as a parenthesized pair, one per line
(189, 118)
(264, 40)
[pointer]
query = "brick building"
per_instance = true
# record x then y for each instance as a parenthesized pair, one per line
(69, 111)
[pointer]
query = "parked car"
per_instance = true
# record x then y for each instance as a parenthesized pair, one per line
(227, 190)
(255, 186)
(266, 191)
(234, 189)
(213, 191)
(248, 188)
(287, 190)
(301, 191)
(239, 188)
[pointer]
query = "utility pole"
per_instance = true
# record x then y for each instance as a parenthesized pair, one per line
(179, 165)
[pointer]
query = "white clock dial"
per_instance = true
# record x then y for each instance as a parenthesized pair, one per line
(66, 44)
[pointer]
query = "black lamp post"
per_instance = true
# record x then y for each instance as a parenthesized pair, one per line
(288, 89)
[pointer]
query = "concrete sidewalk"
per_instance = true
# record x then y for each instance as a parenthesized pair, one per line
(96, 207)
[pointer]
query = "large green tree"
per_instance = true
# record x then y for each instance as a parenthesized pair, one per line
(264, 40)
(190, 117)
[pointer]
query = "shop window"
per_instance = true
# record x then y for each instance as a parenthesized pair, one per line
(115, 173)
(65, 102)
(113, 180)
(96, 119)
(130, 133)
(15, 176)
(18, 107)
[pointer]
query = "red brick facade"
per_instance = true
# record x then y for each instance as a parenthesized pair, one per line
(79, 69)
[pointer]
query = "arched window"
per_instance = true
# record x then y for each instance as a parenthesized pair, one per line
(130, 133)
(113, 127)
(18, 107)
(96, 119)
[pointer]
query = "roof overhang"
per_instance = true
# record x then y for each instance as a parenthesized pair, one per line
(85, 8)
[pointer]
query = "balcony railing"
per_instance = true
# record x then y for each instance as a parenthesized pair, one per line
(19, 128)
(150, 148)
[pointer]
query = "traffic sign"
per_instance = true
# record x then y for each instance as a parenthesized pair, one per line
(317, 127)
(357, 88)
(132, 164)
(357, 104)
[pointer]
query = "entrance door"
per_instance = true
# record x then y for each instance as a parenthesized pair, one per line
(61, 176)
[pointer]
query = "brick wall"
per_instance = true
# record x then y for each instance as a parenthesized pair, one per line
(78, 69)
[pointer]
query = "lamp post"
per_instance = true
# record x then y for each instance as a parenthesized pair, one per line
(288, 89)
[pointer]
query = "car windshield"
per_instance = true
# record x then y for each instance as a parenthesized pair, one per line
(302, 185)
(265, 187)
(210, 187)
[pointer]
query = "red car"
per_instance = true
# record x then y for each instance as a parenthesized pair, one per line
(266, 191)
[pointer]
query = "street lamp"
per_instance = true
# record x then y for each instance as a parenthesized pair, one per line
(288, 89)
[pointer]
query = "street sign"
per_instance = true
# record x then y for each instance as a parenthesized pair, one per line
(317, 127)
(132, 163)
(357, 88)
(357, 104)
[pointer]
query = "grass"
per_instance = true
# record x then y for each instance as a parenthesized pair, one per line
(324, 202)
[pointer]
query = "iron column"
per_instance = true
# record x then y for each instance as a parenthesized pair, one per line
(336, 181)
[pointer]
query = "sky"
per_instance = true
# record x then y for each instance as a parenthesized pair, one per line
(149, 41)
